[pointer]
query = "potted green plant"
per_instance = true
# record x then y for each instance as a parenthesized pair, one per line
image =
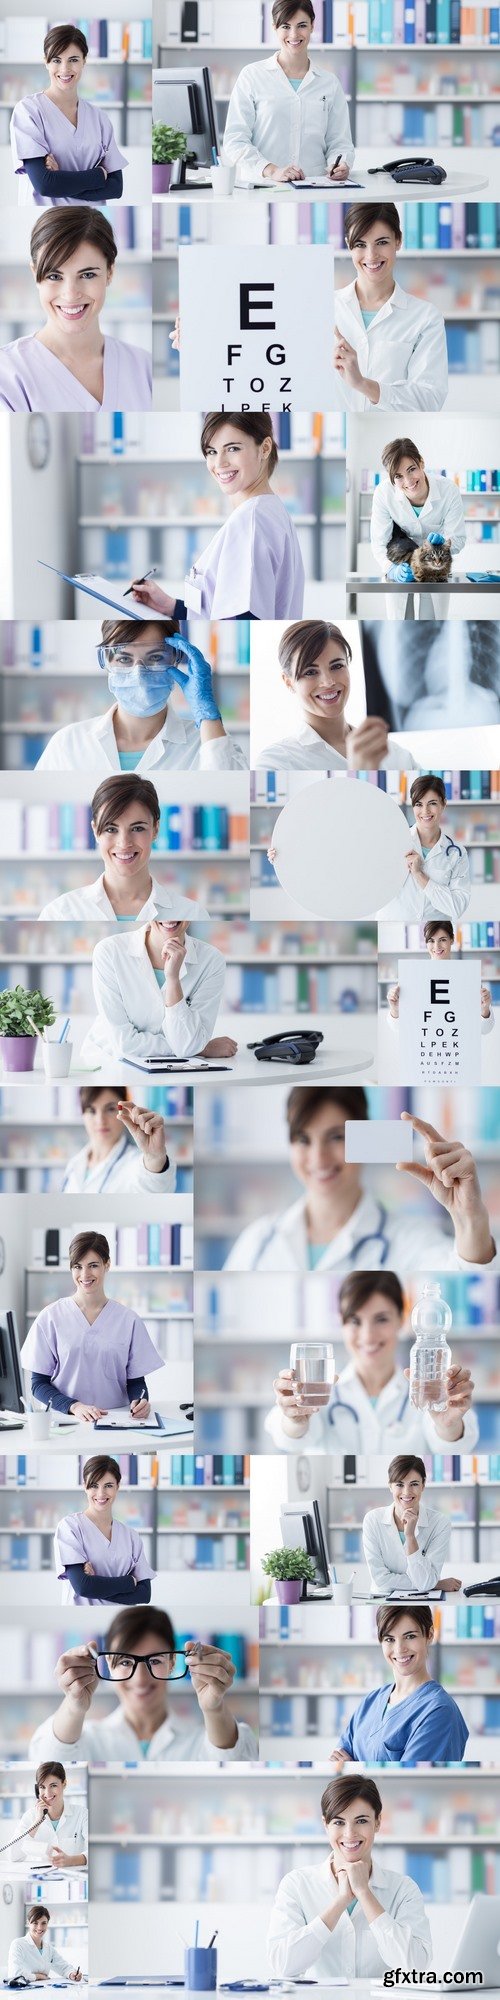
(23, 1016)
(290, 1568)
(168, 145)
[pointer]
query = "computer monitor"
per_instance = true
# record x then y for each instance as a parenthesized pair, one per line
(302, 1527)
(11, 1387)
(184, 98)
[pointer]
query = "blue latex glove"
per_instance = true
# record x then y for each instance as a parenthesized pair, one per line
(194, 676)
(437, 541)
(400, 572)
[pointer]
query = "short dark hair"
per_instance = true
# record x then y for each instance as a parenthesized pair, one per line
(340, 1793)
(89, 1091)
(58, 232)
(389, 1615)
(283, 11)
(59, 39)
(305, 1099)
(96, 1468)
(37, 1910)
(120, 631)
(254, 425)
(438, 924)
(405, 1462)
(113, 796)
(362, 214)
(360, 1286)
(394, 452)
(88, 1239)
(427, 784)
(300, 644)
(131, 1625)
(50, 1770)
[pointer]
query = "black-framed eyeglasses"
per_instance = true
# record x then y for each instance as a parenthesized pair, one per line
(168, 1666)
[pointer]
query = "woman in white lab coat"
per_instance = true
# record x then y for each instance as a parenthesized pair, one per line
(288, 121)
(438, 880)
(439, 937)
(406, 1544)
(337, 1225)
(390, 347)
(33, 1956)
(126, 1148)
(145, 662)
(428, 506)
(314, 657)
(252, 566)
(369, 1409)
(144, 1727)
(350, 1917)
(55, 1830)
(125, 821)
(157, 993)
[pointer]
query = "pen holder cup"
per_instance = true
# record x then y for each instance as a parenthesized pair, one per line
(223, 179)
(200, 1969)
(56, 1058)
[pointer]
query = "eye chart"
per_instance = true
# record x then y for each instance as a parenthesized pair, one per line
(439, 1021)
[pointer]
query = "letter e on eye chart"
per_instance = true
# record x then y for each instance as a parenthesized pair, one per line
(439, 1021)
(256, 327)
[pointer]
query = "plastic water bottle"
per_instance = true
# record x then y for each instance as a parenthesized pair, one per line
(430, 1356)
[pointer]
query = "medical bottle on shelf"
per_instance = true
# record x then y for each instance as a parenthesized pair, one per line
(430, 1356)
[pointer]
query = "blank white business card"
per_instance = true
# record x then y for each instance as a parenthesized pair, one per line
(377, 1140)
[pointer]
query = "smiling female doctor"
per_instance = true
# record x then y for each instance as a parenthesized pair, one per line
(69, 364)
(87, 1353)
(428, 506)
(406, 1544)
(145, 661)
(157, 993)
(369, 1409)
(126, 1146)
(55, 1830)
(438, 880)
(63, 148)
(350, 1916)
(413, 1722)
(314, 658)
(98, 1559)
(33, 1957)
(125, 821)
(336, 1225)
(286, 119)
(252, 567)
(390, 348)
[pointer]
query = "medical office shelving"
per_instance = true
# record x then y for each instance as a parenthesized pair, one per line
(265, 890)
(37, 700)
(171, 1515)
(321, 525)
(123, 75)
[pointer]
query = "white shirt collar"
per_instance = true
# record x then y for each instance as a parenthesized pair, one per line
(272, 63)
(136, 944)
(398, 299)
(173, 729)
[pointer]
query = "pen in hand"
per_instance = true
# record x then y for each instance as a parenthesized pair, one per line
(149, 572)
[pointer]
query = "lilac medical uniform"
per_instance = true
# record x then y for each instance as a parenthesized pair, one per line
(253, 564)
(90, 1364)
(31, 378)
(37, 128)
(79, 1540)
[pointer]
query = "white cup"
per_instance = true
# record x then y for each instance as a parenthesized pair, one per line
(342, 1592)
(39, 1422)
(223, 179)
(57, 1058)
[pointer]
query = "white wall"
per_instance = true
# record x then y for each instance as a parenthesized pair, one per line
(274, 710)
(43, 527)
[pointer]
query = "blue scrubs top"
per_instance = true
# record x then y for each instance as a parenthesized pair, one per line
(425, 1728)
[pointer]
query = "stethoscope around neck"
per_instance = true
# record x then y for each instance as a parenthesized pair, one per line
(378, 1236)
(109, 1170)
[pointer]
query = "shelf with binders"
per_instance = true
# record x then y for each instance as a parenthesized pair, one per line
(134, 512)
(169, 1842)
(49, 677)
(201, 848)
(462, 1504)
(183, 1527)
(38, 1139)
(120, 84)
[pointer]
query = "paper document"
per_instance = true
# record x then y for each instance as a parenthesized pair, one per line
(102, 588)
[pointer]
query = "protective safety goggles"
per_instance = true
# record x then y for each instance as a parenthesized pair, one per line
(117, 656)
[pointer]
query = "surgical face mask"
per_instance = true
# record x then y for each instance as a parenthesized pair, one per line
(141, 690)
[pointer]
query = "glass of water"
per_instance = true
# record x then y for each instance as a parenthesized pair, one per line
(312, 1364)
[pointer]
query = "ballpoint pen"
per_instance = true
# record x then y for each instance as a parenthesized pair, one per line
(143, 579)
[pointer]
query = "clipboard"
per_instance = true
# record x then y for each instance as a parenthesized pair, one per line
(178, 1426)
(104, 592)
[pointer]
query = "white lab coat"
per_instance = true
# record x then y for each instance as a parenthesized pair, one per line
(442, 514)
(269, 121)
(299, 1942)
(28, 1958)
(92, 903)
(112, 1741)
(123, 1170)
(448, 890)
(403, 349)
(372, 1240)
(391, 1568)
(306, 751)
(90, 745)
(71, 1833)
(352, 1423)
(132, 1017)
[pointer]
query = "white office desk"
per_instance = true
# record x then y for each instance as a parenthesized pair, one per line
(468, 1571)
(374, 187)
(243, 1067)
(75, 1437)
